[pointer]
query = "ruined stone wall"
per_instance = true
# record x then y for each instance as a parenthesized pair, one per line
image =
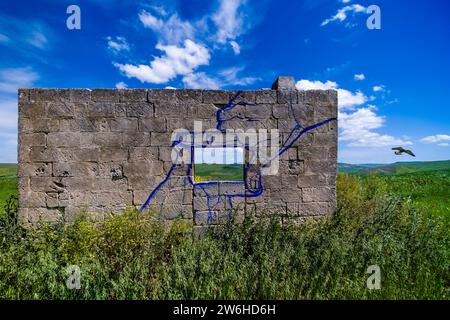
(103, 150)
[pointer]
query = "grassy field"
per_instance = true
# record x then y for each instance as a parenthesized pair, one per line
(218, 172)
(394, 168)
(399, 222)
(428, 190)
(8, 182)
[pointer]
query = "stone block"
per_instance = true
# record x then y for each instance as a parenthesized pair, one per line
(123, 125)
(35, 170)
(266, 96)
(158, 139)
(143, 154)
(108, 154)
(37, 125)
(63, 139)
(152, 125)
(153, 168)
(258, 111)
(287, 96)
(189, 95)
(171, 109)
(33, 110)
(101, 109)
(60, 110)
(215, 96)
(136, 139)
(105, 95)
(161, 95)
(318, 194)
(108, 139)
(141, 110)
(75, 169)
(33, 139)
(246, 96)
(312, 180)
(87, 154)
(284, 83)
(132, 95)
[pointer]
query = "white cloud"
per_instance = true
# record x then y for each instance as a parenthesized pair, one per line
(8, 129)
(37, 39)
(150, 21)
(117, 44)
(346, 98)
(12, 79)
(236, 47)
(359, 76)
(342, 13)
(3, 38)
(226, 77)
(315, 85)
(187, 45)
(230, 77)
(438, 138)
(175, 61)
(379, 88)
(345, 1)
(444, 144)
(229, 21)
(200, 80)
(121, 85)
(357, 129)
(170, 31)
(8, 115)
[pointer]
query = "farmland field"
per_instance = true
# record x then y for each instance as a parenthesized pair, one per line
(8, 182)
(218, 172)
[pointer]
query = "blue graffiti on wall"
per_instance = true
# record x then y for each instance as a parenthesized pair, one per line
(253, 187)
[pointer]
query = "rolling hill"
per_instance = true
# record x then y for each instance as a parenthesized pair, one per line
(394, 168)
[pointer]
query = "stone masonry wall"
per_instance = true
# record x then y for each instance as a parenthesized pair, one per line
(103, 150)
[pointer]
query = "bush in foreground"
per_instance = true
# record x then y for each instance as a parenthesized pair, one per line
(135, 256)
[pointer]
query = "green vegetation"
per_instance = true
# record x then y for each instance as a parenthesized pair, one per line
(429, 190)
(135, 256)
(8, 182)
(218, 172)
(394, 168)
(400, 222)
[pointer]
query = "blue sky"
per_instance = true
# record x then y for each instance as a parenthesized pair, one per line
(393, 83)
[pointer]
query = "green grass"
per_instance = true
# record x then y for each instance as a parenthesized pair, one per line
(394, 168)
(428, 190)
(398, 222)
(8, 182)
(218, 172)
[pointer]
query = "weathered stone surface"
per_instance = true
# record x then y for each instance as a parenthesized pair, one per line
(215, 96)
(152, 125)
(266, 96)
(100, 151)
(141, 110)
(320, 194)
(35, 170)
(284, 83)
(132, 95)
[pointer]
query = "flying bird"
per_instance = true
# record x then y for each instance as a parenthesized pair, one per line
(400, 151)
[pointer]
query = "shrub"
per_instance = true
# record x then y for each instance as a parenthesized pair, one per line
(136, 256)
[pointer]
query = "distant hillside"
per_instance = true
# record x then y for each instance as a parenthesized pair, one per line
(394, 168)
(8, 170)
